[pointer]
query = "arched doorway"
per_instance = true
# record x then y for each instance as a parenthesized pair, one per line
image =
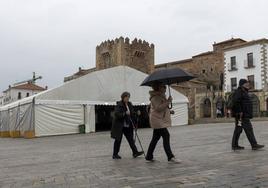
(207, 107)
(255, 105)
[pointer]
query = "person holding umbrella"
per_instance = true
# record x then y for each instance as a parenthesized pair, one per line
(123, 123)
(160, 108)
(160, 120)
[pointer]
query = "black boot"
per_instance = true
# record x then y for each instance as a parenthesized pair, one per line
(149, 159)
(238, 148)
(117, 157)
(257, 147)
(139, 153)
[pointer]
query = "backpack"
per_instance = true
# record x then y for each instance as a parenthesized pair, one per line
(230, 101)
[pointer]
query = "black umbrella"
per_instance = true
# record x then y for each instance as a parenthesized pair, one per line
(167, 76)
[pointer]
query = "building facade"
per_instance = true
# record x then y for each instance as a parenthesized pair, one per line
(1, 99)
(205, 92)
(17, 92)
(246, 61)
(249, 61)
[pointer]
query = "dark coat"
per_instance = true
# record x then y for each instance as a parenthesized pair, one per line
(242, 103)
(120, 117)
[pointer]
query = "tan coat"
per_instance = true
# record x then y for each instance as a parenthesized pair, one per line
(159, 111)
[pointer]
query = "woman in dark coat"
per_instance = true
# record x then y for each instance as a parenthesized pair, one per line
(124, 120)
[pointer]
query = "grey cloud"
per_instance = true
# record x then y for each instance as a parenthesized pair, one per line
(55, 37)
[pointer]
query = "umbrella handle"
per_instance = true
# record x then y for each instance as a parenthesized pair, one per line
(170, 106)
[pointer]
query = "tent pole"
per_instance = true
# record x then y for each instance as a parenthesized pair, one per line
(33, 114)
(84, 111)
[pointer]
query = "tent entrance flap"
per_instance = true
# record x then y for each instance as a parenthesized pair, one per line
(104, 117)
(105, 114)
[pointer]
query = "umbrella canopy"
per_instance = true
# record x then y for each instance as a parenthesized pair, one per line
(167, 76)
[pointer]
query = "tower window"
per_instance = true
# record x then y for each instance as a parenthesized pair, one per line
(139, 54)
(106, 59)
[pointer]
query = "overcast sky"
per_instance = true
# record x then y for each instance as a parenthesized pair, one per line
(55, 37)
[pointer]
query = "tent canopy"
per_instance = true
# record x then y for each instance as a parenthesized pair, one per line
(61, 110)
(105, 87)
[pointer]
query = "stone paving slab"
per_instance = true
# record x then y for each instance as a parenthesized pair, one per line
(85, 161)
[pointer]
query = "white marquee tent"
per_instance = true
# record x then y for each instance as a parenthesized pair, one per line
(61, 110)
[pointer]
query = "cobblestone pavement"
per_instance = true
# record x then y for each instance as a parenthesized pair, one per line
(85, 161)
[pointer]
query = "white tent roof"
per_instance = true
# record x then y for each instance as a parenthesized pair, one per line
(105, 87)
(102, 87)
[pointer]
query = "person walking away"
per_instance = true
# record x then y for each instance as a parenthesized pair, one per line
(243, 112)
(123, 123)
(160, 120)
(218, 112)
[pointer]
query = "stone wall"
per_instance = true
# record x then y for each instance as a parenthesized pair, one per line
(137, 54)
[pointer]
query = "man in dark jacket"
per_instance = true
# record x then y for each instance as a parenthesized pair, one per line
(123, 123)
(243, 112)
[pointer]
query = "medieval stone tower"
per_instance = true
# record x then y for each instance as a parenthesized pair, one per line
(137, 54)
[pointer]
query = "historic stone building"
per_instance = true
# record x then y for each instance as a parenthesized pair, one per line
(208, 67)
(205, 91)
(79, 73)
(137, 54)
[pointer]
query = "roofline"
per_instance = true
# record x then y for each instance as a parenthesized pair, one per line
(29, 89)
(174, 62)
(227, 41)
(203, 54)
(250, 43)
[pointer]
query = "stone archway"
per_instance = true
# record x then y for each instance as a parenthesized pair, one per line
(255, 105)
(207, 108)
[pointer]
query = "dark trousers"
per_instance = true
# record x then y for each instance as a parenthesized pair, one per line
(247, 126)
(157, 134)
(128, 132)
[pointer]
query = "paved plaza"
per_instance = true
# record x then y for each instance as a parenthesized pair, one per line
(85, 161)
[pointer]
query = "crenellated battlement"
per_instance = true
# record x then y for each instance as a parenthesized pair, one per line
(125, 41)
(137, 54)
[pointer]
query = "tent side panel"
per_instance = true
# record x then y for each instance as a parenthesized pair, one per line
(181, 114)
(1, 123)
(58, 119)
(13, 121)
(90, 119)
(26, 123)
(5, 124)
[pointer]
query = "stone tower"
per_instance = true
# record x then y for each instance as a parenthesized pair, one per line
(137, 54)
